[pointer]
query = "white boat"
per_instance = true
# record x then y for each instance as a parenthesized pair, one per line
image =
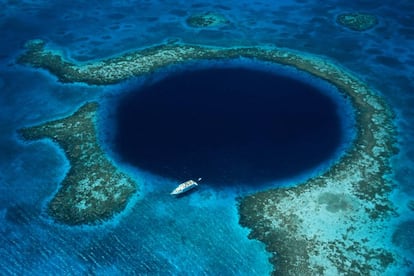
(184, 187)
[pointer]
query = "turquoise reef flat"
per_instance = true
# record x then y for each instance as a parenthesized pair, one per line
(312, 228)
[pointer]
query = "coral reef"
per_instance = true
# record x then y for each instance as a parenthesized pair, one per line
(331, 224)
(94, 189)
(357, 21)
(207, 19)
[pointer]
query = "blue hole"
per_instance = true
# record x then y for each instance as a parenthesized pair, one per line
(227, 125)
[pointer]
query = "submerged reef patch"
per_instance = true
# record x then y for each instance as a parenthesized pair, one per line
(410, 205)
(94, 189)
(357, 21)
(21, 214)
(206, 20)
(306, 233)
(403, 235)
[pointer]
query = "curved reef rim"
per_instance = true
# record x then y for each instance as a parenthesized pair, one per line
(351, 198)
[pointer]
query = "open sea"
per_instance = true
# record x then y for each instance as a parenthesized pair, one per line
(189, 121)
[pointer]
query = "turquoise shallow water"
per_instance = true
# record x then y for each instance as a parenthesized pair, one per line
(198, 234)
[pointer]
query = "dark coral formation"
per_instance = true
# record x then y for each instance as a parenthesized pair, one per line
(403, 235)
(21, 214)
(410, 205)
(357, 21)
(306, 233)
(93, 189)
(207, 19)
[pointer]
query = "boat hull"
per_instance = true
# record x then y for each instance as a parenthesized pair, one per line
(184, 187)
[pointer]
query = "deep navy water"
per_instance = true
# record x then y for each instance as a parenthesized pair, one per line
(229, 126)
(198, 234)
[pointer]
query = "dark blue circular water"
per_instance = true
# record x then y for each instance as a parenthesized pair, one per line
(227, 125)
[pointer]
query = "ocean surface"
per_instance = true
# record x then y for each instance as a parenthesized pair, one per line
(198, 234)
